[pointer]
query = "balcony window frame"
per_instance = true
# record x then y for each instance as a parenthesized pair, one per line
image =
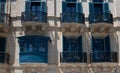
(69, 56)
(105, 7)
(97, 52)
(2, 7)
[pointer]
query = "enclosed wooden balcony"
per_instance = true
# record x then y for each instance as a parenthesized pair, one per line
(72, 22)
(33, 57)
(34, 19)
(100, 23)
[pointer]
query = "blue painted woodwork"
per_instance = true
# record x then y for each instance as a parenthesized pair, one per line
(101, 49)
(72, 50)
(99, 12)
(33, 49)
(72, 12)
(2, 7)
(98, 7)
(35, 11)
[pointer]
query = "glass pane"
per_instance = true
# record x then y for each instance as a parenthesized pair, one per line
(99, 45)
(98, 8)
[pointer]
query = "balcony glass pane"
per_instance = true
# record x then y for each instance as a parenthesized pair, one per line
(72, 13)
(2, 44)
(99, 12)
(101, 50)
(33, 49)
(72, 50)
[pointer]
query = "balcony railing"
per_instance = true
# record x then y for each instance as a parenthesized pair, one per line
(72, 18)
(72, 57)
(104, 57)
(4, 18)
(40, 57)
(101, 18)
(4, 58)
(34, 16)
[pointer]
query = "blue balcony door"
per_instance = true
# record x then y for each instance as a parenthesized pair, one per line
(71, 11)
(101, 49)
(35, 6)
(36, 11)
(98, 7)
(98, 11)
(72, 49)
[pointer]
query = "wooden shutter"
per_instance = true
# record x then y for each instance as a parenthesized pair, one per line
(27, 6)
(2, 8)
(91, 8)
(63, 7)
(105, 7)
(44, 6)
(79, 7)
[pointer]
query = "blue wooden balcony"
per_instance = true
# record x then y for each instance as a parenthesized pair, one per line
(34, 16)
(104, 57)
(4, 18)
(72, 18)
(34, 57)
(101, 18)
(4, 58)
(73, 57)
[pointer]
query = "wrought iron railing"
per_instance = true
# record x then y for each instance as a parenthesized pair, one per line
(4, 18)
(72, 57)
(4, 58)
(104, 57)
(41, 57)
(101, 18)
(72, 18)
(34, 16)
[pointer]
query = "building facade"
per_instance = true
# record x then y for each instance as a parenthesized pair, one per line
(59, 36)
